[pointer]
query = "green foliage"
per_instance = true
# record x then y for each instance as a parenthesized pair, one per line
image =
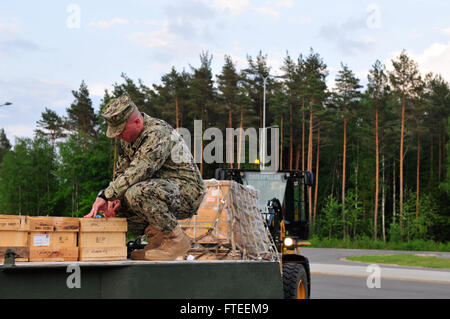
(369, 243)
(330, 222)
(27, 183)
(405, 260)
(5, 145)
(40, 176)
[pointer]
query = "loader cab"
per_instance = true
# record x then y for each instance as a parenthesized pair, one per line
(283, 200)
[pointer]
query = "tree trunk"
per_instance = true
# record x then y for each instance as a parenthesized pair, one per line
(176, 112)
(230, 136)
(310, 150)
(20, 199)
(356, 175)
(440, 157)
(181, 115)
(393, 196)
(377, 173)
(281, 146)
(85, 133)
(303, 134)
(418, 176)
(344, 159)
(240, 140)
(401, 159)
(291, 138)
(383, 199)
(317, 174)
(201, 146)
(431, 161)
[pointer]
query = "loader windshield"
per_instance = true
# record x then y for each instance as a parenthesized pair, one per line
(270, 186)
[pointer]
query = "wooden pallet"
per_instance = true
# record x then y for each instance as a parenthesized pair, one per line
(230, 216)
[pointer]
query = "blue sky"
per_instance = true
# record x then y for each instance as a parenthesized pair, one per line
(48, 47)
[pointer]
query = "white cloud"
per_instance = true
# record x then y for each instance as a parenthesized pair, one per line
(282, 3)
(232, 6)
(161, 38)
(19, 131)
(268, 8)
(269, 12)
(435, 58)
(416, 34)
(98, 89)
(107, 24)
(446, 31)
(61, 103)
(10, 28)
(301, 20)
(367, 39)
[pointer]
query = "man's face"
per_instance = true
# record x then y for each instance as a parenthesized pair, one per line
(131, 130)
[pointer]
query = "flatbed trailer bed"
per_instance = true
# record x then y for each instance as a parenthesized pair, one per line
(209, 279)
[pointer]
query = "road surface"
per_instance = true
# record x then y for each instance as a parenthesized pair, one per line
(334, 277)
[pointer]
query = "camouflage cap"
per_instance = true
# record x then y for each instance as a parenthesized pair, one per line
(116, 113)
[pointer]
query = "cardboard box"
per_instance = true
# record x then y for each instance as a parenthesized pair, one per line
(14, 222)
(102, 239)
(96, 240)
(103, 253)
(53, 238)
(103, 225)
(13, 234)
(54, 224)
(53, 254)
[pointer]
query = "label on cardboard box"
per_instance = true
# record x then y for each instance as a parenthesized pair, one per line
(41, 240)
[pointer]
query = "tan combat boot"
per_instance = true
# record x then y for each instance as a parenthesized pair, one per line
(154, 239)
(174, 244)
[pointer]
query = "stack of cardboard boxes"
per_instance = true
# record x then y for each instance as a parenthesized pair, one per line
(63, 238)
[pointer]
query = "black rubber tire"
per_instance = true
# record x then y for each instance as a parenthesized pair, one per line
(293, 273)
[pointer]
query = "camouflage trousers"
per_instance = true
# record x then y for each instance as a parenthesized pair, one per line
(155, 202)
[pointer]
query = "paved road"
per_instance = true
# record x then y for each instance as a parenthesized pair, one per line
(333, 277)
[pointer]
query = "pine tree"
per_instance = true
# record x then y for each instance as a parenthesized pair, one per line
(53, 124)
(347, 86)
(404, 79)
(377, 89)
(202, 99)
(289, 68)
(315, 86)
(228, 90)
(5, 145)
(81, 117)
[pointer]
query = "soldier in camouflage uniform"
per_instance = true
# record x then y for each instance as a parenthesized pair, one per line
(156, 182)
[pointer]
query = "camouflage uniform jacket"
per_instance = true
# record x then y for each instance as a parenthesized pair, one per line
(153, 156)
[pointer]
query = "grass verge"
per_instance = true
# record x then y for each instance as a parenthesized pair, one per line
(405, 260)
(367, 243)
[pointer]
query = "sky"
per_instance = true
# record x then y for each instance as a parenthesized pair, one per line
(48, 47)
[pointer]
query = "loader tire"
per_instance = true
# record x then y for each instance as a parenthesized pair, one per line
(295, 281)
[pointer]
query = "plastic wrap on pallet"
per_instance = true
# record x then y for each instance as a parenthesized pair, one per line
(229, 225)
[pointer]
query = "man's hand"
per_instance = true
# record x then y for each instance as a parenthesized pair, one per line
(113, 207)
(99, 205)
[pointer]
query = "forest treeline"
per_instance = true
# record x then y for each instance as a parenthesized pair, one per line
(379, 154)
